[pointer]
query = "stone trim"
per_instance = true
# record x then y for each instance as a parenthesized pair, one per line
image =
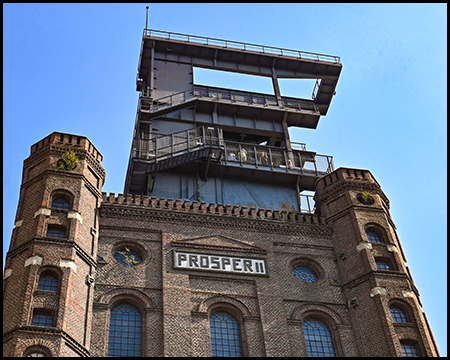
(68, 263)
(34, 260)
(45, 211)
(75, 215)
(18, 223)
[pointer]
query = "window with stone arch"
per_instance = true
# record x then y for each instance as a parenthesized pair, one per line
(125, 331)
(36, 351)
(61, 200)
(318, 338)
(225, 334)
(375, 234)
(48, 281)
(400, 312)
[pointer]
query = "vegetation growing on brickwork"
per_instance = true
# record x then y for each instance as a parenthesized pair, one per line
(68, 161)
(365, 198)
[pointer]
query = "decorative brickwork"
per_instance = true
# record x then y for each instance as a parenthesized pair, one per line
(351, 296)
(80, 260)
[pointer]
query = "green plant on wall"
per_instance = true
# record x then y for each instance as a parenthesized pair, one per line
(365, 198)
(68, 161)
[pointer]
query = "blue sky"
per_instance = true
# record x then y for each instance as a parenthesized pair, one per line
(72, 68)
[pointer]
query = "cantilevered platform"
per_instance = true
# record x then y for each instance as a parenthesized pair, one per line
(188, 51)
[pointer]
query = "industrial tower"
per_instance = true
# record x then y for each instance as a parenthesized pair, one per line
(213, 248)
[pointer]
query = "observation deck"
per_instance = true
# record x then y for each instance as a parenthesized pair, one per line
(206, 146)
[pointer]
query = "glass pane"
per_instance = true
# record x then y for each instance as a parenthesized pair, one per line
(128, 257)
(60, 203)
(48, 282)
(41, 318)
(305, 274)
(409, 350)
(319, 341)
(125, 331)
(225, 335)
(398, 315)
(374, 237)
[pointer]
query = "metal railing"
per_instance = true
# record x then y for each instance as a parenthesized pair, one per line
(299, 161)
(234, 153)
(228, 96)
(163, 146)
(241, 46)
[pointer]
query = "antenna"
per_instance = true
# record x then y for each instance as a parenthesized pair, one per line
(146, 18)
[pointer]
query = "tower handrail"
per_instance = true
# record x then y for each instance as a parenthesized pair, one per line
(225, 95)
(299, 161)
(241, 46)
(163, 147)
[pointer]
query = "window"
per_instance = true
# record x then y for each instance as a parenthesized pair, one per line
(383, 264)
(60, 203)
(42, 317)
(125, 329)
(36, 351)
(56, 231)
(319, 341)
(409, 349)
(399, 315)
(128, 257)
(305, 274)
(374, 237)
(48, 281)
(225, 335)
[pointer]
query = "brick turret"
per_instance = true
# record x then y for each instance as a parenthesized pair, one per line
(373, 272)
(51, 261)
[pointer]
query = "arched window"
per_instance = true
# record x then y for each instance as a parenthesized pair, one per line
(48, 281)
(36, 351)
(56, 231)
(374, 237)
(60, 202)
(125, 331)
(398, 314)
(42, 317)
(225, 335)
(319, 341)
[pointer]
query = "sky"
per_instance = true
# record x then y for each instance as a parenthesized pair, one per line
(72, 68)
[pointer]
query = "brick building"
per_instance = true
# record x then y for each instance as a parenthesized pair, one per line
(215, 247)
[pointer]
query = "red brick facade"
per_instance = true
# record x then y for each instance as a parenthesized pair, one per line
(351, 296)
